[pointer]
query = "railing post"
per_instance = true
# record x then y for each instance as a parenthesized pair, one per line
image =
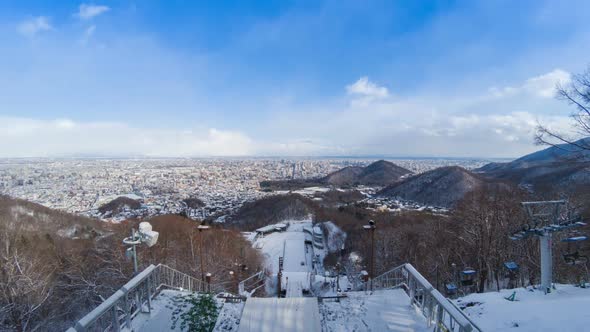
(411, 289)
(149, 294)
(127, 311)
(116, 325)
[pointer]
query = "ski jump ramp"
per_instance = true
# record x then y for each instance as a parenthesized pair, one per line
(292, 314)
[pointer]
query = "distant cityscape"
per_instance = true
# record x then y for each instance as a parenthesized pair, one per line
(81, 186)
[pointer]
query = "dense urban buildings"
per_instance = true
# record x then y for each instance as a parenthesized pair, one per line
(82, 186)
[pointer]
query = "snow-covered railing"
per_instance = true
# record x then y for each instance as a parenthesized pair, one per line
(248, 286)
(439, 312)
(135, 297)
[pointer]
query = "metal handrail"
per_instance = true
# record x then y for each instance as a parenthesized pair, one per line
(439, 312)
(135, 297)
(248, 286)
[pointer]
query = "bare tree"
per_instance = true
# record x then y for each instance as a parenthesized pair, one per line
(25, 282)
(576, 93)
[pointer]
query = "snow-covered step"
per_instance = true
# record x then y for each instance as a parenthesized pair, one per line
(384, 310)
(292, 314)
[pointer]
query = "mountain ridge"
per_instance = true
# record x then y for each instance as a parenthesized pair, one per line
(557, 166)
(441, 187)
(379, 173)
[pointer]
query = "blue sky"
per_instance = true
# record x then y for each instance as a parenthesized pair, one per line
(196, 78)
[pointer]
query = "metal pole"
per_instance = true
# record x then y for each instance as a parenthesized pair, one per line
(201, 255)
(546, 262)
(134, 252)
(372, 256)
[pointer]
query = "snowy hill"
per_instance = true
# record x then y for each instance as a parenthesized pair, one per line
(442, 187)
(557, 166)
(566, 309)
(380, 173)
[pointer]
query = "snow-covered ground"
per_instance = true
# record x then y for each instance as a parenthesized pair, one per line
(164, 305)
(160, 318)
(272, 245)
(335, 236)
(387, 310)
(298, 314)
(565, 309)
(301, 260)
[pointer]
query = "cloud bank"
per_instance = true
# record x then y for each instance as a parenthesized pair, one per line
(382, 125)
(21, 137)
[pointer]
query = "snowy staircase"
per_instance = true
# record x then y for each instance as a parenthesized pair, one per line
(383, 310)
(440, 313)
(134, 299)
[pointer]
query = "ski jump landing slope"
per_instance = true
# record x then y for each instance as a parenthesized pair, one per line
(286, 315)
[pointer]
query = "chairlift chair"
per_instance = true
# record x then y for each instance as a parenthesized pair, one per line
(573, 256)
(468, 277)
(451, 289)
(512, 269)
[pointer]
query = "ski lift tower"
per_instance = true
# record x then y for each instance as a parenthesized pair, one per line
(546, 218)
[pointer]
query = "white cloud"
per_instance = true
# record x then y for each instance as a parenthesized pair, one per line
(542, 86)
(88, 11)
(366, 88)
(450, 125)
(22, 137)
(31, 27)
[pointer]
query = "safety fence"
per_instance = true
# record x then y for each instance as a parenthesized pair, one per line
(441, 314)
(250, 285)
(117, 312)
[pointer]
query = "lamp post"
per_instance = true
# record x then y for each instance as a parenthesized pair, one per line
(145, 235)
(371, 228)
(208, 279)
(201, 228)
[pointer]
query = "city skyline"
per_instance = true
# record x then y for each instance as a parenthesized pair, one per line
(379, 78)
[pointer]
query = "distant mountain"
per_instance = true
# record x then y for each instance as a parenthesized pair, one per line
(271, 210)
(380, 173)
(442, 187)
(555, 167)
(118, 205)
(194, 203)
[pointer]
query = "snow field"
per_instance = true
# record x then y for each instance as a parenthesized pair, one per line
(565, 309)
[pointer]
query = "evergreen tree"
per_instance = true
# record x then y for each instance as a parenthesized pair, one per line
(196, 313)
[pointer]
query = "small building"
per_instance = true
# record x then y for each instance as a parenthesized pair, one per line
(271, 229)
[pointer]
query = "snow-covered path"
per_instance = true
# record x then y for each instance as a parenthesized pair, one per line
(297, 314)
(387, 310)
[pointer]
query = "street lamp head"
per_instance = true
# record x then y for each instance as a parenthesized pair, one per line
(203, 227)
(372, 223)
(231, 273)
(145, 234)
(148, 236)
